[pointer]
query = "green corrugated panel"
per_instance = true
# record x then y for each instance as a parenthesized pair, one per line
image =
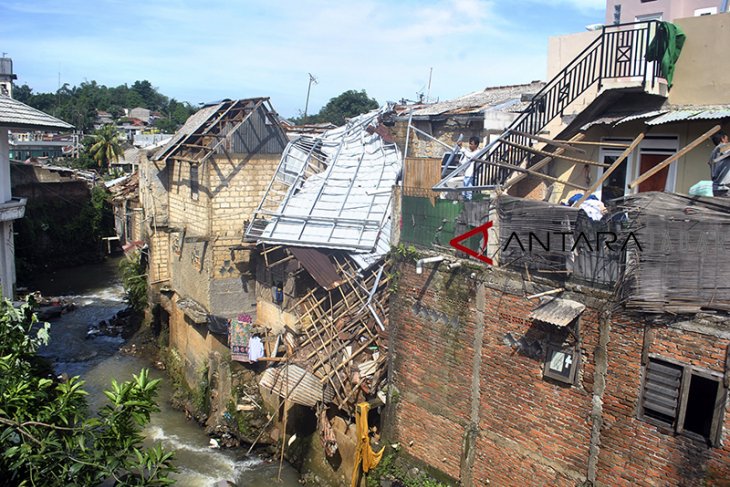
(426, 225)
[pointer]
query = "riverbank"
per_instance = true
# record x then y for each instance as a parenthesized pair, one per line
(98, 296)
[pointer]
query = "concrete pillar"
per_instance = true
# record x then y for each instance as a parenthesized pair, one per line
(7, 260)
(4, 166)
(7, 253)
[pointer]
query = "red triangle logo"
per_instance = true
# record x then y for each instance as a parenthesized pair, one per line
(454, 242)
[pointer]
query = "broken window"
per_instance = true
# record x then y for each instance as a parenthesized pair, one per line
(194, 181)
(561, 363)
(684, 399)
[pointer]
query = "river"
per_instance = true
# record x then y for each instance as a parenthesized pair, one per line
(98, 294)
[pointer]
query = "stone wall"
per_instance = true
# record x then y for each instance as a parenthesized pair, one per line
(468, 363)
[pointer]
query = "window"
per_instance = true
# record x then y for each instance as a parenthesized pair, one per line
(705, 11)
(683, 398)
(560, 363)
(194, 182)
(648, 17)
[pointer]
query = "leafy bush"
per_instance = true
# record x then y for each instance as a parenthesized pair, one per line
(134, 280)
(46, 435)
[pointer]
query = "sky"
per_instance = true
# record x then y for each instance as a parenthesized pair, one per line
(204, 51)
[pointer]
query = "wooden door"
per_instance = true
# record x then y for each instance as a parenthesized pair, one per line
(657, 182)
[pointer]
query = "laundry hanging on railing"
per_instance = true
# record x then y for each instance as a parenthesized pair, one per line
(666, 47)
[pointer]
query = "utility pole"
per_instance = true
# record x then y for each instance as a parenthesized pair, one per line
(312, 79)
(428, 92)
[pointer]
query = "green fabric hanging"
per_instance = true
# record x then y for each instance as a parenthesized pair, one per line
(666, 47)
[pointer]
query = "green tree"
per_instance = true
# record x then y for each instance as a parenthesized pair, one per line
(105, 146)
(23, 93)
(346, 105)
(46, 434)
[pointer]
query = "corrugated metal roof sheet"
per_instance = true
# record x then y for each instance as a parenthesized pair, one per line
(319, 265)
(347, 205)
(192, 124)
(559, 312)
(16, 114)
(479, 101)
(689, 113)
(300, 386)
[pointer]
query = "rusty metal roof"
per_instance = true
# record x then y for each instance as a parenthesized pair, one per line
(319, 265)
(558, 312)
(480, 101)
(300, 386)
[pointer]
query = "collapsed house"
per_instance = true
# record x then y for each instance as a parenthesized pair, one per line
(323, 227)
(195, 191)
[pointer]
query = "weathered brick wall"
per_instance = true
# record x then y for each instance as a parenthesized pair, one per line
(447, 132)
(194, 344)
(190, 264)
(159, 256)
(236, 190)
(634, 452)
(186, 212)
(433, 362)
(536, 431)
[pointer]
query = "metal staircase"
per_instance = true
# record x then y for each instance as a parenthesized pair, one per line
(619, 52)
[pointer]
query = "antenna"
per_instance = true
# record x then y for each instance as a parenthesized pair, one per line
(312, 79)
(428, 92)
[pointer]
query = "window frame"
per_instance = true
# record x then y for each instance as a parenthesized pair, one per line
(574, 353)
(714, 439)
(194, 182)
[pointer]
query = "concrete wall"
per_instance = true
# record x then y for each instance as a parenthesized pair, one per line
(700, 77)
(480, 410)
(690, 168)
(669, 9)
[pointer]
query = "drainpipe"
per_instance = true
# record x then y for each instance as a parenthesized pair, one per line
(420, 262)
(723, 9)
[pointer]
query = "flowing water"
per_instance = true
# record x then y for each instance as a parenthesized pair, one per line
(98, 294)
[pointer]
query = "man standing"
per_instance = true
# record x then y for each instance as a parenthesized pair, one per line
(720, 165)
(469, 171)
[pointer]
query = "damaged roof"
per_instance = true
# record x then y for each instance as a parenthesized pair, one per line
(16, 114)
(507, 98)
(338, 193)
(665, 114)
(558, 312)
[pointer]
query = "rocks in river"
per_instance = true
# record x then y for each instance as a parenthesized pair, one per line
(124, 323)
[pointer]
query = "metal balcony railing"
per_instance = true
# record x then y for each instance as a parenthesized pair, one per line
(618, 52)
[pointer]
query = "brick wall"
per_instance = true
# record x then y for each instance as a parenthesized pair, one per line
(531, 430)
(186, 212)
(193, 342)
(159, 256)
(237, 189)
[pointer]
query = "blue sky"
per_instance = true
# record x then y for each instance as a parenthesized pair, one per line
(203, 51)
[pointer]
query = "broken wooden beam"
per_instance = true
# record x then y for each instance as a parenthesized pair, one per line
(611, 169)
(666, 162)
(541, 163)
(556, 143)
(545, 153)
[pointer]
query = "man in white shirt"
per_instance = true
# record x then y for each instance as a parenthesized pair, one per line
(469, 171)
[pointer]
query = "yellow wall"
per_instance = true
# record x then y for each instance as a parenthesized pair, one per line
(701, 75)
(691, 168)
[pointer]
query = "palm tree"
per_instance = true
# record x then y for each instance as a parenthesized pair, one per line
(105, 147)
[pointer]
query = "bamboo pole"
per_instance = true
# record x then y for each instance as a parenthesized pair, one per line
(545, 153)
(611, 169)
(535, 173)
(542, 162)
(673, 158)
(556, 143)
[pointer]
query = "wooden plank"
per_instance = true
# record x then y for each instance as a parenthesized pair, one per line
(673, 158)
(556, 143)
(535, 173)
(552, 154)
(611, 169)
(614, 145)
(542, 162)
